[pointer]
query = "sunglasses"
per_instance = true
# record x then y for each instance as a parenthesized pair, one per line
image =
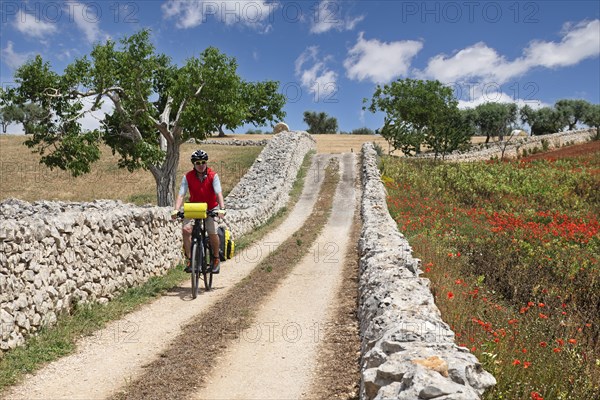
(199, 162)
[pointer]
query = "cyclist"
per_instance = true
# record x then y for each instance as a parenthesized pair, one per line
(205, 187)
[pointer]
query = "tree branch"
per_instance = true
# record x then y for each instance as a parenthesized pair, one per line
(176, 129)
(134, 133)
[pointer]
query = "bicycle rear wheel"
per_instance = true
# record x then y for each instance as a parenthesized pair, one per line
(206, 269)
(196, 265)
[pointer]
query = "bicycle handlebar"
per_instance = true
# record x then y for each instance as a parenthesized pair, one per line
(181, 215)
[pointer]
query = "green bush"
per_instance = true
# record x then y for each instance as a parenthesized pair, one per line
(363, 131)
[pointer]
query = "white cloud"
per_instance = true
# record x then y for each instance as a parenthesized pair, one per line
(317, 77)
(87, 20)
(479, 61)
(189, 14)
(31, 25)
(13, 59)
(578, 43)
(327, 16)
(378, 61)
(499, 97)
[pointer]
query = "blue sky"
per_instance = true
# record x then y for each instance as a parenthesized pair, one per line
(329, 55)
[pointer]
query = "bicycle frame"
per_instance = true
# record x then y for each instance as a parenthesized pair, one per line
(199, 250)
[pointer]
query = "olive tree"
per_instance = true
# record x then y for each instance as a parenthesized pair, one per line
(571, 112)
(320, 123)
(495, 119)
(420, 112)
(156, 106)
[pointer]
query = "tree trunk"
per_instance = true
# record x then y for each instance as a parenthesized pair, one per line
(221, 133)
(165, 176)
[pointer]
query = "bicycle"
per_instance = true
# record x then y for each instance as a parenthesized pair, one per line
(200, 251)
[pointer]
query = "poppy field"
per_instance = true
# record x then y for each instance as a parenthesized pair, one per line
(512, 250)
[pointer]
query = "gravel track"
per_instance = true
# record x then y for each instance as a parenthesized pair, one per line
(116, 355)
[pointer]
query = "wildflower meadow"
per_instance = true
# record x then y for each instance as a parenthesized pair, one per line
(512, 250)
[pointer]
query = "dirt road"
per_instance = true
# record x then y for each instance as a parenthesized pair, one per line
(273, 359)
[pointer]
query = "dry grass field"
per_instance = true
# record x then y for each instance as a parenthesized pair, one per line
(331, 144)
(23, 177)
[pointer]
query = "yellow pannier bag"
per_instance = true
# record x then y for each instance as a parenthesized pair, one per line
(227, 245)
(194, 210)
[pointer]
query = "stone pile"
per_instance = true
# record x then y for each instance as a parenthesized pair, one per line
(517, 146)
(55, 254)
(281, 127)
(407, 350)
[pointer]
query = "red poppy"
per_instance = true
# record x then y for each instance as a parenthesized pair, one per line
(536, 396)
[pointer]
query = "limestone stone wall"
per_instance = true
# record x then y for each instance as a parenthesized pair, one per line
(407, 350)
(235, 142)
(54, 254)
(517, 146)
(265, 188)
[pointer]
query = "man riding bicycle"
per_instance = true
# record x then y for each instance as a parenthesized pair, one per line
(204, 187)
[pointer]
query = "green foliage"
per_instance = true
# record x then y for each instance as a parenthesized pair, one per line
(571, 112)
(320, 123)
(495, 119)
(543, 121)
(362, 131)
(378, 149)
(512, 253)
(420, 112)
(592, 118)
(157, 106)
(255, 132)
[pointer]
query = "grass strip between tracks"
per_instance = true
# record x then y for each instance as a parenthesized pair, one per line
(183, 367)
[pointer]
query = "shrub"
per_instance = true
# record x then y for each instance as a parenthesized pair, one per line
(363, 131)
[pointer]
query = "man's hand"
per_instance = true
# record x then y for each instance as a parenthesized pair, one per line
(221, 213)
(174, 214)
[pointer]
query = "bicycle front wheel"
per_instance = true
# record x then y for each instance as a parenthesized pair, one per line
(196, 264)
(206, 269)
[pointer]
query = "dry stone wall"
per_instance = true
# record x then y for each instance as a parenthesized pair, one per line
(518, 146)
(235, 142)
(265, 188)
(407, 350)
(53, 254)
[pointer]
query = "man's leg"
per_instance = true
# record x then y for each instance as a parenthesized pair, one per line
(187, 239)
(214, 244)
